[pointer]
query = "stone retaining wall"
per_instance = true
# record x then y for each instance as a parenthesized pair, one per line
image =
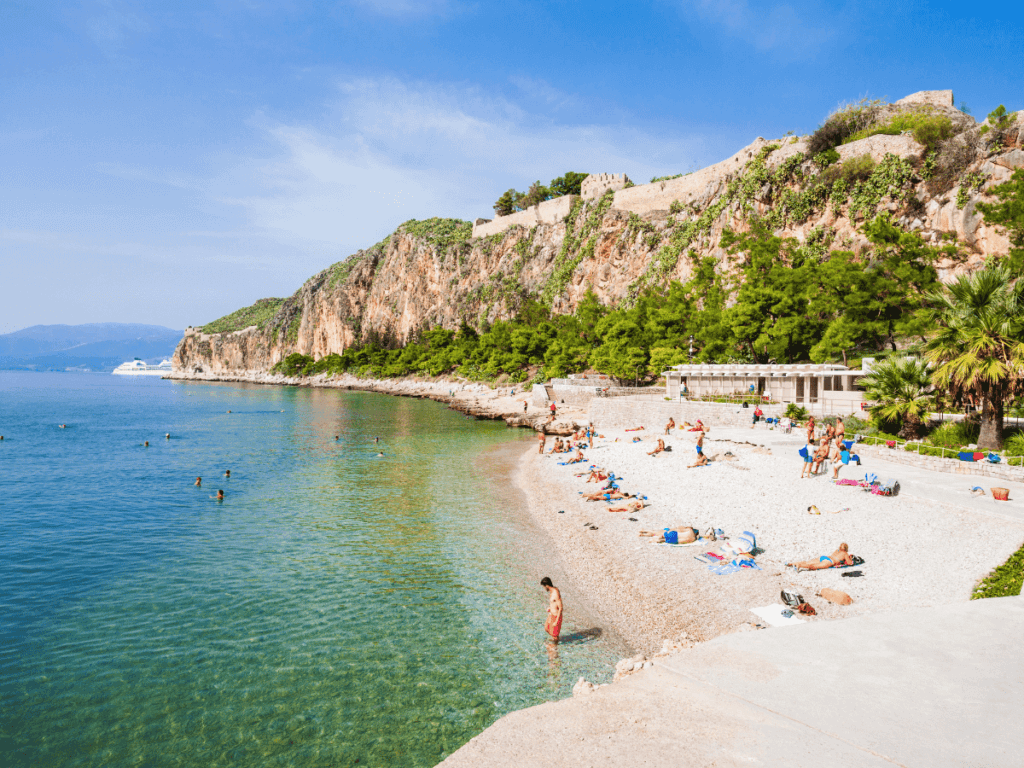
(937, 464)
(623, 412)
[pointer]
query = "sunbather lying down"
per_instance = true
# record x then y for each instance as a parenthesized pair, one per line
(685, 535)
(597, 476)
(608, 495)
(633, 506)
(837, 559)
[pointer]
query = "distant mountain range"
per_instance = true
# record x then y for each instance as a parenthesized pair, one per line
(94, 346)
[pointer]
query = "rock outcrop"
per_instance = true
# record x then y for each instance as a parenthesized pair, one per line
(629, 238)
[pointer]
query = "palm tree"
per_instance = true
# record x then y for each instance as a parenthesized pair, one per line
(900, 388)
(978, 347)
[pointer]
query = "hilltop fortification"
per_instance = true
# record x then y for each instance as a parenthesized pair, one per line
(919, 160)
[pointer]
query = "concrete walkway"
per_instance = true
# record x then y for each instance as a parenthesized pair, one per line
(928, 688)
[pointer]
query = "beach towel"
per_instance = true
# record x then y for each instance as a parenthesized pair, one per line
(740, 545)
(966, 456)
(772, 615)
(994, 458)
(979, 456)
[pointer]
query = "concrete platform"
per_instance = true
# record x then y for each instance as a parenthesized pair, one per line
(934, 687)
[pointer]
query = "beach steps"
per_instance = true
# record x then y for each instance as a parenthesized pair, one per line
(924, 688)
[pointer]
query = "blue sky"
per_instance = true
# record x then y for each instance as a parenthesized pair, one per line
(168, 162)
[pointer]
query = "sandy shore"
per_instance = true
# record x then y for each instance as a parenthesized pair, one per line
(918, 551)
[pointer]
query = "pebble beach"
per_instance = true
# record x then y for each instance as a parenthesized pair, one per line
(927, 546)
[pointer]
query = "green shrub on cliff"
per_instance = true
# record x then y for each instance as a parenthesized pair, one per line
(927, 128)
(259, 314)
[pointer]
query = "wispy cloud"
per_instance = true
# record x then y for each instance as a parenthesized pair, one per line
(777, 27)
(407, 8)
(395, 150)
(113, 23)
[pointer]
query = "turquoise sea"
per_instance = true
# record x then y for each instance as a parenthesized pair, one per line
(335, 609)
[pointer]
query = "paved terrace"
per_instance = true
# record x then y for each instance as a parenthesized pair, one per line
(927, 688)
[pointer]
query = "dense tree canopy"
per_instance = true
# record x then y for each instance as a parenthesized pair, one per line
(781, 300)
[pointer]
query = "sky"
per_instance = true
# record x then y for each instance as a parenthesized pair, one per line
(168, 163)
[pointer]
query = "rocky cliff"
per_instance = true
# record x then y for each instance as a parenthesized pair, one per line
(435, 272)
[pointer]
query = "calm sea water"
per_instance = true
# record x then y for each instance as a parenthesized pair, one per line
(335, 608)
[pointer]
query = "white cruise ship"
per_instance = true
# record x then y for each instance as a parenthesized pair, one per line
(138, 368)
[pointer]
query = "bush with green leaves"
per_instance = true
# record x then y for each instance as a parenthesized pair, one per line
(259, 314)
(795, 412)
(569, 183)
(927, 127)
(841, 124)
(955, 434)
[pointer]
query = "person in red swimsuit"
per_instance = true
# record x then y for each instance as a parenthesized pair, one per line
(553, 625)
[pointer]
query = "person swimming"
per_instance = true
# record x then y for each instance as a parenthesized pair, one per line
(227, 473)
(198, 483)
(380, 454)
(146, 444)
(167, 436)
(220, 495)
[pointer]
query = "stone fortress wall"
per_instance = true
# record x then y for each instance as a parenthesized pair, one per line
(548, 212)
(700, 187)
(596, 184)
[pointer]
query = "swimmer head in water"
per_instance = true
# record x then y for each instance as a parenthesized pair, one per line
(199, 482)
(220, 495)
(227, 473)
(167, 436)
(146, 444)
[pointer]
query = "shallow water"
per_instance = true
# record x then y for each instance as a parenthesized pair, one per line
(335, 607)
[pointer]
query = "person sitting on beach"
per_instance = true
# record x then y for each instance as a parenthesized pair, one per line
(699, 427)
(837, 559)
(577, 459)
(671, 425)
(840, 458)
(633, 506)
(660, 447)
(597, 476)
(820, 455)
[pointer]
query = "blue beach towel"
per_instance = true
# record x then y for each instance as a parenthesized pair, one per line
(994, 458)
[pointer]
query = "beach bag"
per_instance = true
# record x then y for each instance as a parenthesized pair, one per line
(994, 458)
(803, 452)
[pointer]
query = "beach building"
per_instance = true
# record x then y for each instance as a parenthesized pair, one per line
(822, 388)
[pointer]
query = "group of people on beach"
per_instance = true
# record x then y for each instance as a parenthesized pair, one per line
(831, 446)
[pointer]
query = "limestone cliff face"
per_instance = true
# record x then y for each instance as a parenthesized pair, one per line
(427, 274)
